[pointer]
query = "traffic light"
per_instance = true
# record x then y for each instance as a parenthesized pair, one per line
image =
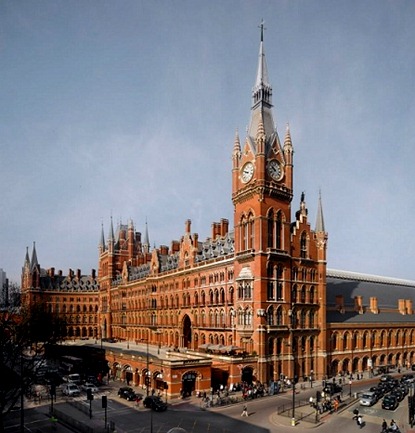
(104, 402)
(89, 394)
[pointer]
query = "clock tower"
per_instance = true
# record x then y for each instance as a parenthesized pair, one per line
(267, 241)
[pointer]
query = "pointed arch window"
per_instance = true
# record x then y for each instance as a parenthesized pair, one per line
(222, 296)
(278, 316)
(303, 246)
(278, 231)
(312, 295)
(312, 319)
(222, 321)
(271, 229)
(270, 316)
(279, 283)
(243, 233)
(303, 318)
(294, 293)
(270, 291)
(250, 232)
(245, 290)
(302, 295)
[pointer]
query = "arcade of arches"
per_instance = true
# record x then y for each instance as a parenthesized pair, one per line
(367, 350)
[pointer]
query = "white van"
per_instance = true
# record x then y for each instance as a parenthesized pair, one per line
(74, 378)
(71, 389)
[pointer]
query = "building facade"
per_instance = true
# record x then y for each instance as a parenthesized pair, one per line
(257, 284)
(74, 296)
(253, 302)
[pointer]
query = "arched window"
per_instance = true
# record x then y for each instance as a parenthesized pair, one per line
(270, 316)
(294, 294)
(231, 297)
(303, 246)
(271, 228)
(279, 316)
(312, 321)
(222, 296)
(270, 285)
(303, 318)
(346, 341)
(250, 232)
(278, 232)
(244, 233)
(303, 297)
(312, 295)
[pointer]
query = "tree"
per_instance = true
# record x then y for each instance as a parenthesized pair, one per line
(14, 295)
(25, 335)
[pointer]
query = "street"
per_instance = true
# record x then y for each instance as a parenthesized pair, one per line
(263, 416)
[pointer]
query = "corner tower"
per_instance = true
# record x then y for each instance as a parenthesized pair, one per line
(270, 260)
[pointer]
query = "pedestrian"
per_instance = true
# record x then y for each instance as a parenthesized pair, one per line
(245, 411)
(384, 426)
(360, 421)
(394, 426)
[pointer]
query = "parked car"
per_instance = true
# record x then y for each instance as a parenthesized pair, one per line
(386, 378)
(71, 390)
(90, 386)
(398, 394)
(408, 378)
(129, 394)
(155, 403)
(390, 402)
(368, 399)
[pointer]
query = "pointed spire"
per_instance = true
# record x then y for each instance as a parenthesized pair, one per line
(111, 236)
(146, 243)
(102, 241)
(27, 260)
(237, 144)
(320, 219)
(33, 261)
(262, 99)
(287, 138)
(262, 71)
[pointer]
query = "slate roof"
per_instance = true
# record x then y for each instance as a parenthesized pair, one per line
(387, 291)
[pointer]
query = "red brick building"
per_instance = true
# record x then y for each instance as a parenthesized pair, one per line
(256, 285)
(254, 301)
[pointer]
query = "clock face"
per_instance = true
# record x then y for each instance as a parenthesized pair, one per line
(247, 172)
(274, 169)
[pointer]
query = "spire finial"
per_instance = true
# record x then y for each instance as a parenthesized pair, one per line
(262, 27)
(320, 218)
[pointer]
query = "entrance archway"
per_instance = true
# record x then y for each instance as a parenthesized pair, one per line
(247, 375)
(188, 383)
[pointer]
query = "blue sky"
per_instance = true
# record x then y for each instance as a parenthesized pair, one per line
(129, 108)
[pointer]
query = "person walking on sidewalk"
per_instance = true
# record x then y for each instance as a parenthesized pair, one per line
(245, 411)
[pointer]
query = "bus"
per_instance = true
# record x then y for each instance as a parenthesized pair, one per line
(70, 364)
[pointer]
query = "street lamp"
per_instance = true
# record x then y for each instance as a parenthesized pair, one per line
(291, 313)
(147, 362)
